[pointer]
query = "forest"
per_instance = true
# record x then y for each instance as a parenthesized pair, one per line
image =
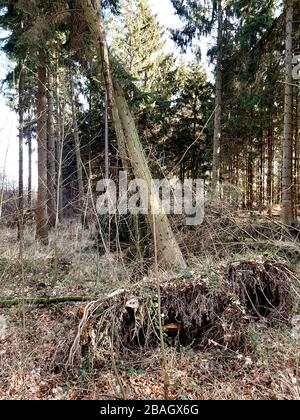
(150, 240)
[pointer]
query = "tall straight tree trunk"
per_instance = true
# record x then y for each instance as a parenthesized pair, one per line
(29, 187)
(287, 178)
(60, 153)
(106, 140)
(168, 250)
(77, 149)
(21, 149)
(261, 196)
(250, 183)
(41, 208)
(60, 135)
(51, 179)
(218, 103)
(260, 191)
(270, 186)
(296, 157)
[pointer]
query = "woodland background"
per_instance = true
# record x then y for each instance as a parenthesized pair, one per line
(147, 307)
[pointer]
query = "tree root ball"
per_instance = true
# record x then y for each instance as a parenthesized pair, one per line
(194, 313)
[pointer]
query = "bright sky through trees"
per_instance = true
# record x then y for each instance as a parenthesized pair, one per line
(8, 119)
(8, 131)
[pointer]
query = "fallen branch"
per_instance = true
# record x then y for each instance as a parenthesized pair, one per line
(7, 302)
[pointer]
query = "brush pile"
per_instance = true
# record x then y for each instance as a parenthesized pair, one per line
(227, 231)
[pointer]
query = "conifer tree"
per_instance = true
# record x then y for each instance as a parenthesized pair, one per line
(202, 18)
(138, 40)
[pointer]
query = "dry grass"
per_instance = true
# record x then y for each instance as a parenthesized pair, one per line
(75, 268)
(35, 340)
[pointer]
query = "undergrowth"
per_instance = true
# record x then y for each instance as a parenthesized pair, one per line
(230, 321)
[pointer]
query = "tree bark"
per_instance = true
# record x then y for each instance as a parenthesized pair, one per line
(30, 151)
(77, 150)
(218, 103)
(270, 187)
(51, 158)
(287, 179)
(21, 149)
(168, 250)
(41, 210)
(60, 108)
(261, 197)
(106, 140)
(296, 156)
(92, 13)
(250, 176)
(8, 302)
(128, 141)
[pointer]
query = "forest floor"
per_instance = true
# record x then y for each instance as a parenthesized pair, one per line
(35, 339)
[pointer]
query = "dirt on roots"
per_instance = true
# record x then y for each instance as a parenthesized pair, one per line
(195, 312)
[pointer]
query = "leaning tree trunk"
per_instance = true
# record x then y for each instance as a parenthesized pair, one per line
(218, 103)
(168, 250)
(287, 179)
(21, 149)
(92, 12)
(41, 208)
(77, 150)
(51, 158)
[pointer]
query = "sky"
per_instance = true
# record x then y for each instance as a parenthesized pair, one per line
(8, 132)
(8, 118)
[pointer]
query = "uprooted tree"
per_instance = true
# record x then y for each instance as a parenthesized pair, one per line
(197, 313)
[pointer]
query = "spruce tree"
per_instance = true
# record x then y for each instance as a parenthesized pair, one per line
(138, 41)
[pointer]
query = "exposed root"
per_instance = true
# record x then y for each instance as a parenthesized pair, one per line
(263, 287)
(89, 311)
(194, 312)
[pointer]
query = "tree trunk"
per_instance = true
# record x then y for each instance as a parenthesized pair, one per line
(77, 150)
(261, 197)
(218, 110)
(30, 151)
(21, 141)
(41, 208)
(250, 182)
(270, 187)
(51, 158)
(287, 180)
(167, 248)
(106, 140)
(296, 156)
(7, 302)
(60, 152)
(59, 147)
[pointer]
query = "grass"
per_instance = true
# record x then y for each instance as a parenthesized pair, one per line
(35, 340)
